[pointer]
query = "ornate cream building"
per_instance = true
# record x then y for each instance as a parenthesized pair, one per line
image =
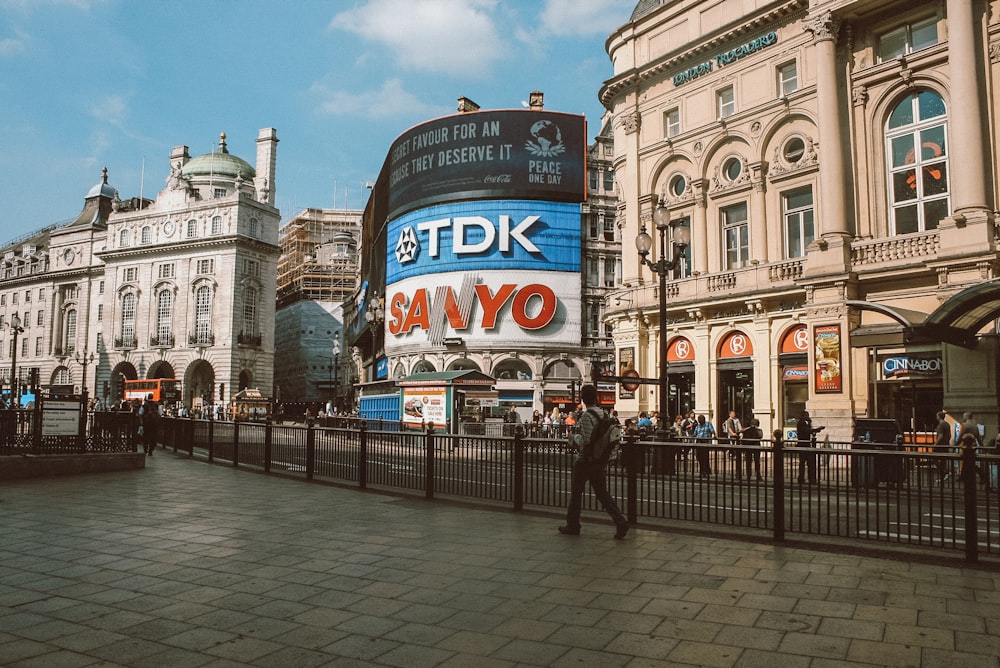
(834, 162)
(180, 286)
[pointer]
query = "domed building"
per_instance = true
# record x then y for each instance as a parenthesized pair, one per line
(176, 287)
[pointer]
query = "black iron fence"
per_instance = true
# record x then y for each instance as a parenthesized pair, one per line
(857, 491)
(23, 432)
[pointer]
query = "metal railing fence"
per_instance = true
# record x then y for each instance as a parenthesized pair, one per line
(858, 491)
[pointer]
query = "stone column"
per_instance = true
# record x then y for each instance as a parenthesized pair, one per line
(833, 192)
(968, 183)
(699, 230)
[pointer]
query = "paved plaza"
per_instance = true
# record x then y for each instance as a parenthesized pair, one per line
(190, 564)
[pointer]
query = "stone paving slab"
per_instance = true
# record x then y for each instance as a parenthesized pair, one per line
(190, 564)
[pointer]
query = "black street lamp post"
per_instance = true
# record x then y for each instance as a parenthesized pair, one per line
(335, 372)
(662, 267)
(85, 360)
(15, 327)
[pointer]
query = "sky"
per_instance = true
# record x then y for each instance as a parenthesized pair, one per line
(86, 84)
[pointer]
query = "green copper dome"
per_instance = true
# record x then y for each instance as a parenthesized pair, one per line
(219, 163)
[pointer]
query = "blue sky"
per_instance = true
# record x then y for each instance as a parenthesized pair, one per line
(91, 83)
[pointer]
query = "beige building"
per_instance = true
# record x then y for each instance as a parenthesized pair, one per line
(180, 286)
(807, 146)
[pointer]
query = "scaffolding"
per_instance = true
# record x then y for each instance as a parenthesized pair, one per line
(319, 256)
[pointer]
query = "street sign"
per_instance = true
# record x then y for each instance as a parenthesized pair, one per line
(630, 386)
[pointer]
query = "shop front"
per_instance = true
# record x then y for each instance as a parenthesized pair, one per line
(736, 377)
(909, 388)
(680, 377)
(793, 364)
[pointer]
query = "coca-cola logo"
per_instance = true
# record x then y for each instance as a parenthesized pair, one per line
(497, 178)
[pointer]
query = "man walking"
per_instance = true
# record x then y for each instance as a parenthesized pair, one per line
(590, 467)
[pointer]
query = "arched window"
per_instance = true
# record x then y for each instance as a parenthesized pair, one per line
(146, 236)
(918, 163)
(123, 238)
(216, 224)
(203, 315)
(250, 311)
(128, 319)
(164, 317)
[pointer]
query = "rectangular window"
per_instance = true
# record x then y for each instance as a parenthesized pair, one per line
(609, 272)
(609, 179)
(27, 296)
(24, 347)
(206, 266)
(593, 277)
(100, 312)
(100, 288)
(40, 320)
(726, 102)
(907, 39)
(38, 346)
(251, 267)
(736, 233)
(129, 274)
(3, 300)
(592, 226)
(219, 192)
(593, 179)
(13, 298)
(672, 122)
(166, 271)
(788, 79)
(253, 227)
(799, 229)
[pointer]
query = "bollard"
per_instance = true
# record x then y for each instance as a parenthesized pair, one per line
(778, 455)
(518, 470)
(429, 474)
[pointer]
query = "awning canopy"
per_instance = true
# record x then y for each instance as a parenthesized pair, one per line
(957, 321)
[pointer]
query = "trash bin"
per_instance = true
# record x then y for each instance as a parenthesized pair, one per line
(871, 470)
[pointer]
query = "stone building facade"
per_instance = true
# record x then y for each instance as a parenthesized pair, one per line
(808, 147)
(179, 286)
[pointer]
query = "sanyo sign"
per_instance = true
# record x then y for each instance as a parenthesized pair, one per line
(484, 271)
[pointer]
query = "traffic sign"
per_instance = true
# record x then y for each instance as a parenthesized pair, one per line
(630, 386)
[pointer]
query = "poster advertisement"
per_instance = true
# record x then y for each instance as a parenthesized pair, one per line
(626, 362)
(424, 405)
(828, 360)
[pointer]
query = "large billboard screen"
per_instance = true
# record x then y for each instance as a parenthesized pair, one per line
(481, 273)
(489, 154)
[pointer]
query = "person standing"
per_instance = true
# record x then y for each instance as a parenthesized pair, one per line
(752, 436)
(704, 432)
(806, 434)
(734, 430)
(149, 418)
(942, 443)
(589, 467)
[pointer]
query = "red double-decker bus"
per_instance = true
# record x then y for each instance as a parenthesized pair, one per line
(164, 390)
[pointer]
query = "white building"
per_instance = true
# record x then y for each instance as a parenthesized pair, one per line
(180, 286)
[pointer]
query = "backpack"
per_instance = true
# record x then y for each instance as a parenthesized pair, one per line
(605, 439)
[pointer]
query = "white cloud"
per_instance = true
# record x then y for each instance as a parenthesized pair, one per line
(112, 110)
(389, 100)
(11, 46)
(451, 36)
(585, 17)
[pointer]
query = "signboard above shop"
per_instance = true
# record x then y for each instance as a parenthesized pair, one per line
(526, 154)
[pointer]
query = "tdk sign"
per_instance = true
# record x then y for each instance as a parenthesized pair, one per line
(494, 234)
(462, 229)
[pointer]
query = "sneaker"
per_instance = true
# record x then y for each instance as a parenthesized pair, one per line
(570, 531)
(621, 531)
